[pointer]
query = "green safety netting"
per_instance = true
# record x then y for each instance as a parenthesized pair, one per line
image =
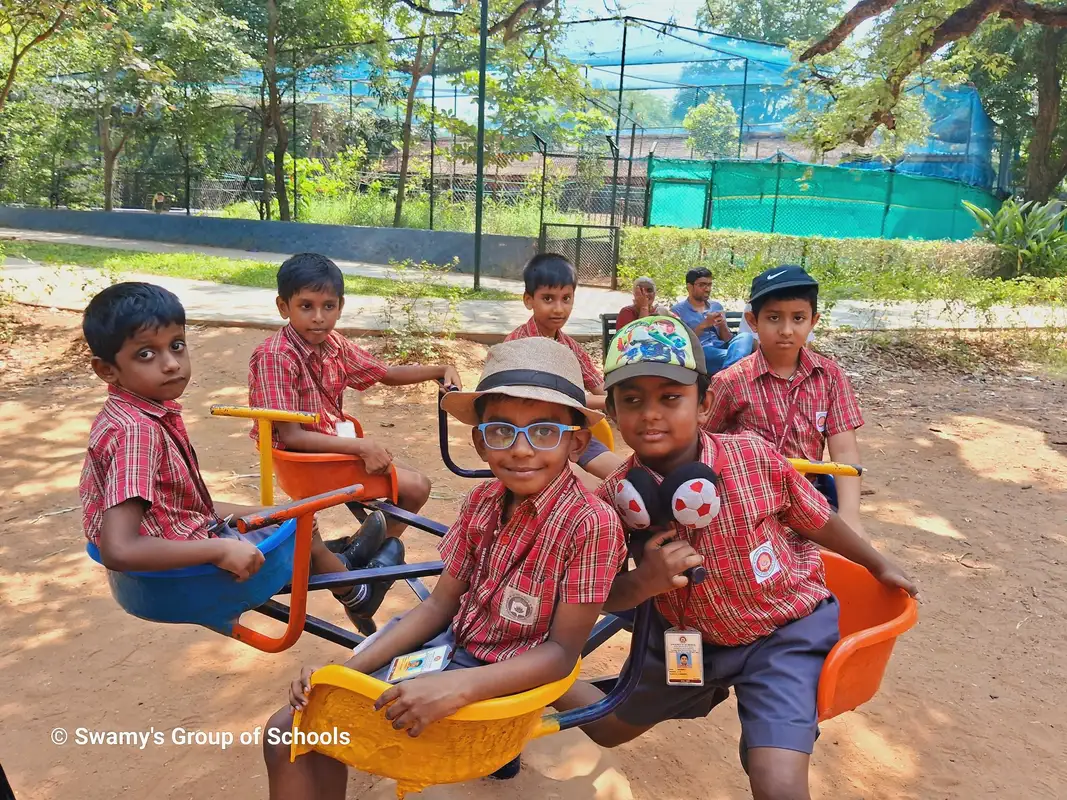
(780, 196)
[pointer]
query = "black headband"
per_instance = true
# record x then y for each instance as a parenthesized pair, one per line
(532, 377)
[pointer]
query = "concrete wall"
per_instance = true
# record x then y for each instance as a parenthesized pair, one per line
(502, 256)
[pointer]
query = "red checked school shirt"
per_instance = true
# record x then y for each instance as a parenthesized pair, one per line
(761, 575)
(562, 546)
(749, 396)
(591, 376)
(286, 373)
(140, 448)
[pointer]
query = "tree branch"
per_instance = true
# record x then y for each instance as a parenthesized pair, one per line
(1021, 10)
(432, 12)
(863, 10)
(511, 20)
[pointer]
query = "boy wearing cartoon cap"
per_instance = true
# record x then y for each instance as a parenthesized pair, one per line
(528, 564)
(763, 617)
(794, 398)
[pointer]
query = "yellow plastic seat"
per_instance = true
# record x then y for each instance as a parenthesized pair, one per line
(474, 742)
(602, 433)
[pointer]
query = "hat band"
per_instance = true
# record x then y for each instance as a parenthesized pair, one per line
(532, 377)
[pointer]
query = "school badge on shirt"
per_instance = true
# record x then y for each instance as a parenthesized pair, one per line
(820, 421)
(764, 562)
(517, 607)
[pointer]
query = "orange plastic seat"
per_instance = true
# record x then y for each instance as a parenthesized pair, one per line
(872, 617)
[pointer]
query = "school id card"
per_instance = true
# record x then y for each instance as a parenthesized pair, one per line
(422, 662)
(684, 653)
(345, 429)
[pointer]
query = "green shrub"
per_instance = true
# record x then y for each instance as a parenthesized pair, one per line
(859, 269)
(1031, 235)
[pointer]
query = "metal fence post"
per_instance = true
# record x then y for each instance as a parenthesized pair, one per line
(433, 115)
(777, 186)
(888, 200)
(296, 200)
(618, 125)
(629, 175)
(578, 252)
(648, 188)
(741, 121)
(479, 181)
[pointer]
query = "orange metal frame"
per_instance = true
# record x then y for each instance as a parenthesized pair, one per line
(303, 511)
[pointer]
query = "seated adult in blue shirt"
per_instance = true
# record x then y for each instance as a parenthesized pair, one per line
(708, 319)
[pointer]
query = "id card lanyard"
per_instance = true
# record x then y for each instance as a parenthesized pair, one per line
(683, 649)
(781, 429)
(190, 462)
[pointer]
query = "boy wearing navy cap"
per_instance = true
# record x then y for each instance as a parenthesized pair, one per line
(797, 400)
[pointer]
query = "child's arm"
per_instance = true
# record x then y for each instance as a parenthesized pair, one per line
(845, 448)
(721, 415)
(597, 398)
(837, 536)
(420, 373)
(416, 703)
(124, 549)
(660, 571)
(295, 437)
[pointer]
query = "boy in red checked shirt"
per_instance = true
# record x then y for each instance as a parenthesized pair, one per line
(763, 620)
(145, 505)
(307, 366)
(528, 565)
(550, 283)
(795, 399)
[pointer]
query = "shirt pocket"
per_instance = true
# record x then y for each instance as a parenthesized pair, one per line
(525, 606)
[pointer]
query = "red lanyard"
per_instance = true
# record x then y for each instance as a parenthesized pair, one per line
(781, 430)
(459, 628)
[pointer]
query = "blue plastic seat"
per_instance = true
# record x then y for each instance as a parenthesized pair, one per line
(204, 595)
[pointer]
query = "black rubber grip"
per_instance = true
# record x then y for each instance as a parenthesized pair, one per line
(696, 575)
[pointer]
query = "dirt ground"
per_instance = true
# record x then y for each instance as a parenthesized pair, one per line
(966, 487)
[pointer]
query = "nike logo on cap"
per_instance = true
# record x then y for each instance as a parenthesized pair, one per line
(775, 275)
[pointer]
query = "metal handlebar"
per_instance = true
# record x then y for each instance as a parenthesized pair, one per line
(442, 433)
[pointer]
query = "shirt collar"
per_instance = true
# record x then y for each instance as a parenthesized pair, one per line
(305, 350)
(143, 404)
(706, 455)
(539, 504)
(806, 365)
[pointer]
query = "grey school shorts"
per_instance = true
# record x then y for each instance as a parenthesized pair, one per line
(595, 448)
(776, 680)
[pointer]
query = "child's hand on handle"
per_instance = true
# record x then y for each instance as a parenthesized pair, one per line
(451, 378)
(892, 576)
(665, 561)
(414, 704)
(240, 557)
(298, 690)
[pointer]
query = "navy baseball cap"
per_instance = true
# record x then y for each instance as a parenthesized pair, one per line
(785, 276)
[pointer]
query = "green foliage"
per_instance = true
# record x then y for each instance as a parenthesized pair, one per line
(854, 269)
(1031, 234)
(238, 272)
(713, 127)
(422, 309)
(770, 20)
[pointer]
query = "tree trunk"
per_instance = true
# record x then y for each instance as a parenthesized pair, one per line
(281, 133)
(1042, 175)
(264, 204)
(405, 152)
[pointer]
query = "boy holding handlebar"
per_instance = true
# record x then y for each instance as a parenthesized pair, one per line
(763, 620)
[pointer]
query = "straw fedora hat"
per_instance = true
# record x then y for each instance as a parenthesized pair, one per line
(535, 368)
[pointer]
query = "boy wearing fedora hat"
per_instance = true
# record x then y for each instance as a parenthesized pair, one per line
(762, 620)
(527, 564)
(799, 401)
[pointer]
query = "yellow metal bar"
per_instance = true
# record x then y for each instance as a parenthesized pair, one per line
(271, 414)
(825, 467)
(264, 418)
(266, 462)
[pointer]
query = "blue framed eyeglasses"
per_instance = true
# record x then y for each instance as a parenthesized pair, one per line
(540, 435)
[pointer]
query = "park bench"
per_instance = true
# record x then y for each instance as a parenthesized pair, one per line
(608, 327)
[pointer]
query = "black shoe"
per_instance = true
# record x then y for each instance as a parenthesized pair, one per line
(366, 542)
(390, 554)
(509, 770)
(353, 600)
(338, 546)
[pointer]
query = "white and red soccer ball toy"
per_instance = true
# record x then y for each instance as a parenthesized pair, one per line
(695, 503)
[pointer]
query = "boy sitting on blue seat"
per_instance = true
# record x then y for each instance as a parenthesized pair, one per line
(145, 505)
(527, 565)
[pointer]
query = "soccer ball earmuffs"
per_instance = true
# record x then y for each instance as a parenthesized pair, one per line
(688, 496)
